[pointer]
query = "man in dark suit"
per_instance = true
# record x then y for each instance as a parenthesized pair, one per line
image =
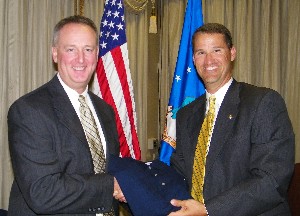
(250, 155)
(51, 157)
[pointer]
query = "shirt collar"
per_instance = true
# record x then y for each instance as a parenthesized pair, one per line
(220, 94)
(71, 92)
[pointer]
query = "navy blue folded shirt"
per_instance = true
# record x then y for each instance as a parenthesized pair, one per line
(148, 187)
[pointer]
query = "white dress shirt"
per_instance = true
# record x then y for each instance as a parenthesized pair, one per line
(220, 94)
(73, 96)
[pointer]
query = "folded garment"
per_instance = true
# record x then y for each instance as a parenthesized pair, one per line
(148, 187)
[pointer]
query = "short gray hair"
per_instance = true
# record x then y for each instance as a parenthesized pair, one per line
(73, 19)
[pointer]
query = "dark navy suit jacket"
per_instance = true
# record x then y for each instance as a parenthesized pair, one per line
(251, 155)
(51, 159)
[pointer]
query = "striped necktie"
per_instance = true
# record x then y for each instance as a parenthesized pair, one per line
(92, 135)
(201, 152)
(93, 138)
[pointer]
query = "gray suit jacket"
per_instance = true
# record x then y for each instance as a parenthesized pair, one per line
(251, 155)
(51, 159)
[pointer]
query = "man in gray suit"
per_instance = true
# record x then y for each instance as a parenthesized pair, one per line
(250, 155)
(51, 158)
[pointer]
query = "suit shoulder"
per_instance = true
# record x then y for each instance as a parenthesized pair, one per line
(253, 96)
(36, 97)
(252, 88)
(248, 91)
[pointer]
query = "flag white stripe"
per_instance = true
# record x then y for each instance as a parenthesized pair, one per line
(118, 96)
(126, 62)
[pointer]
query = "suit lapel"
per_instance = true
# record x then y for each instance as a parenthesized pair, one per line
(193, 124)
(107, 123)
(196, 119)
(224, 124)
(65, 111)
(102, 118)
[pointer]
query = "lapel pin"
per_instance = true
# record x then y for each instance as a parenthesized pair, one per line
(230, 116)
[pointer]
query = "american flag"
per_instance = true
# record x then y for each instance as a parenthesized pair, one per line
(113, 80)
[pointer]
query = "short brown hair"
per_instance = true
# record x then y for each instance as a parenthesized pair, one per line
(214, 28)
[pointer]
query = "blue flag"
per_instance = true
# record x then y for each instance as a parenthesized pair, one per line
(186, 85)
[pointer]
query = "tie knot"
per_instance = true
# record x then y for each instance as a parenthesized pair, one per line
(81, 99)
(212, 102)
(212, 99)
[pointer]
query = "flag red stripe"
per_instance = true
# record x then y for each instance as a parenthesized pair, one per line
(120, 66)
(107, 96)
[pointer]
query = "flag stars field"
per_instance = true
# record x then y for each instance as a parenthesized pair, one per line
(115, 36)
(120, 26)
(103, 45)
(104, 23)
(111, 25)
(116, 14)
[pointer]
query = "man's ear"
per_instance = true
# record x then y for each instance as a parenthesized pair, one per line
(233, 53)
(54, 54)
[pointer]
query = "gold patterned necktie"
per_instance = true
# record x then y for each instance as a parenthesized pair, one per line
(92, 135)
(201, 152)
(94, 141)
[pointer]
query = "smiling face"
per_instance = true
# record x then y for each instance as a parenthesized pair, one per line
(76, 54)
(213, 60)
